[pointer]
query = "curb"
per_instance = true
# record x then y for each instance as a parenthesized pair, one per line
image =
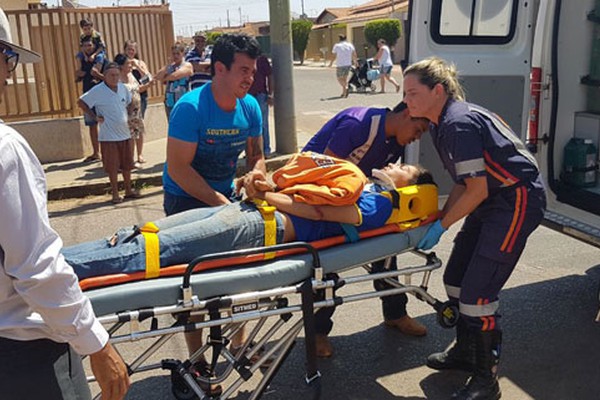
(155, 179)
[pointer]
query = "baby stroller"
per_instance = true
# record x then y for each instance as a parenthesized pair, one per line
(362, 77)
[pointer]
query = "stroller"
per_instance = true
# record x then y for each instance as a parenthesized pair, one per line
(362, 77)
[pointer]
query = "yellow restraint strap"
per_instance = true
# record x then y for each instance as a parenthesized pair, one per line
(149, 230)
(268, 213)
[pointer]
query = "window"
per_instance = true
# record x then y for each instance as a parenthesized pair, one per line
(473, 21)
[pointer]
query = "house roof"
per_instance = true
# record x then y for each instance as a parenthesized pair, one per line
(372, 10)
(335, 11)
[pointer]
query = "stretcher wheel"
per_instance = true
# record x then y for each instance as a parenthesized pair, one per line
(373, 87)
(447, 314)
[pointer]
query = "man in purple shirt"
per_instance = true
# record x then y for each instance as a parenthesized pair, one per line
(371, 138)
(262, 90)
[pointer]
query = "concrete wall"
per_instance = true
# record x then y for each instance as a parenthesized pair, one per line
(66, 139)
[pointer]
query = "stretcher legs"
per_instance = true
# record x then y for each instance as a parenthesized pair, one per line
(272, 318)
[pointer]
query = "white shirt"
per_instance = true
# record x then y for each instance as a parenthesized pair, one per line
(386, 58)
(39, 292)
(113, 107)
(343, 52)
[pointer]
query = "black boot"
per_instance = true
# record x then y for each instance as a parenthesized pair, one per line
(483, 384)
(460, 355)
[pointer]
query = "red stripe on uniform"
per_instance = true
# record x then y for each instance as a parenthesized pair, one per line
(514, 223)
(499, 168)
(521, 218)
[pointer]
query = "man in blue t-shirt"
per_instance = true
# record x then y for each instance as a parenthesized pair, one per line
(371, 138)
(210, 127)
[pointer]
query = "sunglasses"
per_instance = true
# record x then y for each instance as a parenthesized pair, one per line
(12, 59)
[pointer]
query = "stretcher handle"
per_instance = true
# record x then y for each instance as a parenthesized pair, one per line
(246, 252)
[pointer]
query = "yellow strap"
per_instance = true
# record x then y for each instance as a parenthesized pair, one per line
(149, 230)
(268, 213)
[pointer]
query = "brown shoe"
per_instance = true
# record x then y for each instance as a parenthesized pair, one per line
(324, 348)
(407, 325)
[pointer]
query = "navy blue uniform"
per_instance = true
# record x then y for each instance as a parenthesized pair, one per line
(474, 142)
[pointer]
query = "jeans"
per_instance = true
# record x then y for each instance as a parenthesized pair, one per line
(182, 237)
(393, 307)
(264, 109)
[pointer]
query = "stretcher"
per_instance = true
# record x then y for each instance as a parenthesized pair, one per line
(271, 291)
(277, 298)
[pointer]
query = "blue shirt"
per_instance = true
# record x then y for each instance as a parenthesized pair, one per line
(350, 129)
(473, 141)
(198, 78)
(221, 136)
(374, 208)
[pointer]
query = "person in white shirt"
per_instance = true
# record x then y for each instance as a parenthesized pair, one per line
(107, 103)
(384, 57)
(46, 321)
(345, 58)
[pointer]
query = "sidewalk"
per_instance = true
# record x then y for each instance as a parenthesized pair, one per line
(71, 179)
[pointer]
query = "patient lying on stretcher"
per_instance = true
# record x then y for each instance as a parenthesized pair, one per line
(193, 233)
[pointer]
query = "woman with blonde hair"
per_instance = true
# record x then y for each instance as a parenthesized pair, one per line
(498, 188)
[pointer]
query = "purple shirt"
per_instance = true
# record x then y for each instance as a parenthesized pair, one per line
(350, 129)
(263, 70)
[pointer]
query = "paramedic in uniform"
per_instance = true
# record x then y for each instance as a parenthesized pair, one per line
(499, 190)
(46, 321)
(371, 138)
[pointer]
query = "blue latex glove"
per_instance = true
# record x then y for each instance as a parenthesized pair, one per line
(432, 237)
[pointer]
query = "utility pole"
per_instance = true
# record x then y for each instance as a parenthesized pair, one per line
(228, 22)
(303, 13)
(281, 54)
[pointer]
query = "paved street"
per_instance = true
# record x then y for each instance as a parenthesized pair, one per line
(551, 348)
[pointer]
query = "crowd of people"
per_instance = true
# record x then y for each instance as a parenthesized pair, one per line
(498, 190)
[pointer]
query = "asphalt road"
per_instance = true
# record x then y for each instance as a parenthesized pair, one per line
(551, 345)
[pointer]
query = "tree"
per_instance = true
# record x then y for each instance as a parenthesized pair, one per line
(300, 31)
(211, 37)
(387, 29)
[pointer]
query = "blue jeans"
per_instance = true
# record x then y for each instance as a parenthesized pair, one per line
(182, 237)
(264, 109)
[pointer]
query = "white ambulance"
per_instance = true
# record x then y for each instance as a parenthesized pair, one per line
(535, 63)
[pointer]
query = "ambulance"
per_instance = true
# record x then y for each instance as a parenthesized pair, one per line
(535, 63)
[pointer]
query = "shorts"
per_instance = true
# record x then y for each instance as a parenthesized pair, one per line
(385, 69)
(88, 120)
(342, 72)
(117, 156)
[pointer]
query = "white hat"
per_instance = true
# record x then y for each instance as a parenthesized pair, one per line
(25, 55)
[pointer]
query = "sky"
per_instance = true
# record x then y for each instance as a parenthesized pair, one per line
(193, 15)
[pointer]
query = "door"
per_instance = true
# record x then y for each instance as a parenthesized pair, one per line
(490, 43)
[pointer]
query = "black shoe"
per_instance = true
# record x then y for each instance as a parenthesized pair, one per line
(483, 384)
(460, 356)
(479, 388)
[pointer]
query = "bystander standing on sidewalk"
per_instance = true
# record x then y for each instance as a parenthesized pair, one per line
(46, 320)
(262, 90)
(200, 59)
(107, 103)
(89, 74)
(345, 58)
(134, 109)
(176, 76)
(142, 74)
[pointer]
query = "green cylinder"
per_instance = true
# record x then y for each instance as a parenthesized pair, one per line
(580, 163)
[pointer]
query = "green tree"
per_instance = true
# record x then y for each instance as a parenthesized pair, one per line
(388, 29)
(211, 37)
(300, 32)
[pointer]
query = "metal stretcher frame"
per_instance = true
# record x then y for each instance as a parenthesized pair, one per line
(278, 297)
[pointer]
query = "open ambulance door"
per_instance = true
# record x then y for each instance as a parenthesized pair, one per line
(490, 43)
